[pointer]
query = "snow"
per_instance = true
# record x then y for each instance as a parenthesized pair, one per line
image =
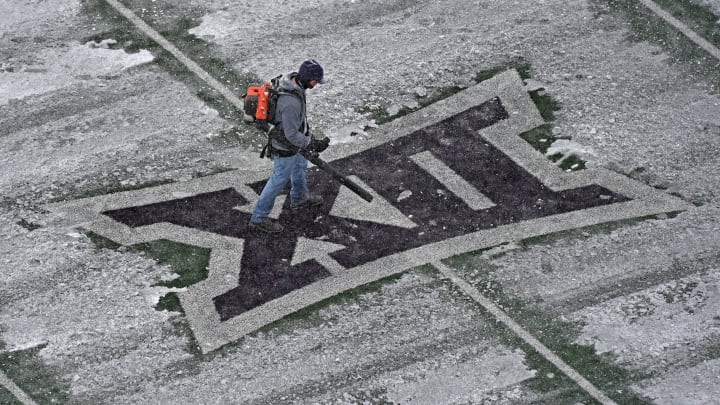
(58, 68)
(569, 148)
(77, 116)
(153, 294)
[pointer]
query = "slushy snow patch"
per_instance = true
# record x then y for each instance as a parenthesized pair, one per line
(60, 68)
(152, 294)
(569, 148)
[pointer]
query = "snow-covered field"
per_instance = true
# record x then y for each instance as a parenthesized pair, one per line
(79, 116)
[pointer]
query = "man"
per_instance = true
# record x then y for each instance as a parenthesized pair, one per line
(290, 135)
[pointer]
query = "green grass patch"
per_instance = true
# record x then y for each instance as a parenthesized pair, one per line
(545, 104)
(377, 112)
(112, 189)
(569, 163)
(573, 163)
(558, 336)
(539, 138)
(30, 374)
(189, 262)
(520, 66)
(100, 241)
(646, 26)
(381, 115)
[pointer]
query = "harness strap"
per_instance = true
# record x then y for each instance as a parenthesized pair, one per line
(276, 133)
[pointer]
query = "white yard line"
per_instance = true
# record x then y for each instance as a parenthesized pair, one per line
(189, 63)
(692, 35)
(15, 390)
(506, 320)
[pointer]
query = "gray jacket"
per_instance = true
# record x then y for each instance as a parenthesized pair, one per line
(291, 114)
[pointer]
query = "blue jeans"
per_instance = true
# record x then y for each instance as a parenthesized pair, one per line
(293, 168)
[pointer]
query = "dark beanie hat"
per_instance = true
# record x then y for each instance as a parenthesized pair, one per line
(311, 70)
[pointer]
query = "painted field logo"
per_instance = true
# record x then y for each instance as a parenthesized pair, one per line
(452, 178)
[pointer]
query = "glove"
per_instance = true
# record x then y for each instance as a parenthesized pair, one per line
(318, 145)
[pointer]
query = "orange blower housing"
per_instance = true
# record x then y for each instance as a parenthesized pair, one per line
(256, 103)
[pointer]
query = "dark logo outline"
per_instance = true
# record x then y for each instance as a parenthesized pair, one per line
(501, 101)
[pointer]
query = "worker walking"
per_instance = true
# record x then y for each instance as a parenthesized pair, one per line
(289, 135)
